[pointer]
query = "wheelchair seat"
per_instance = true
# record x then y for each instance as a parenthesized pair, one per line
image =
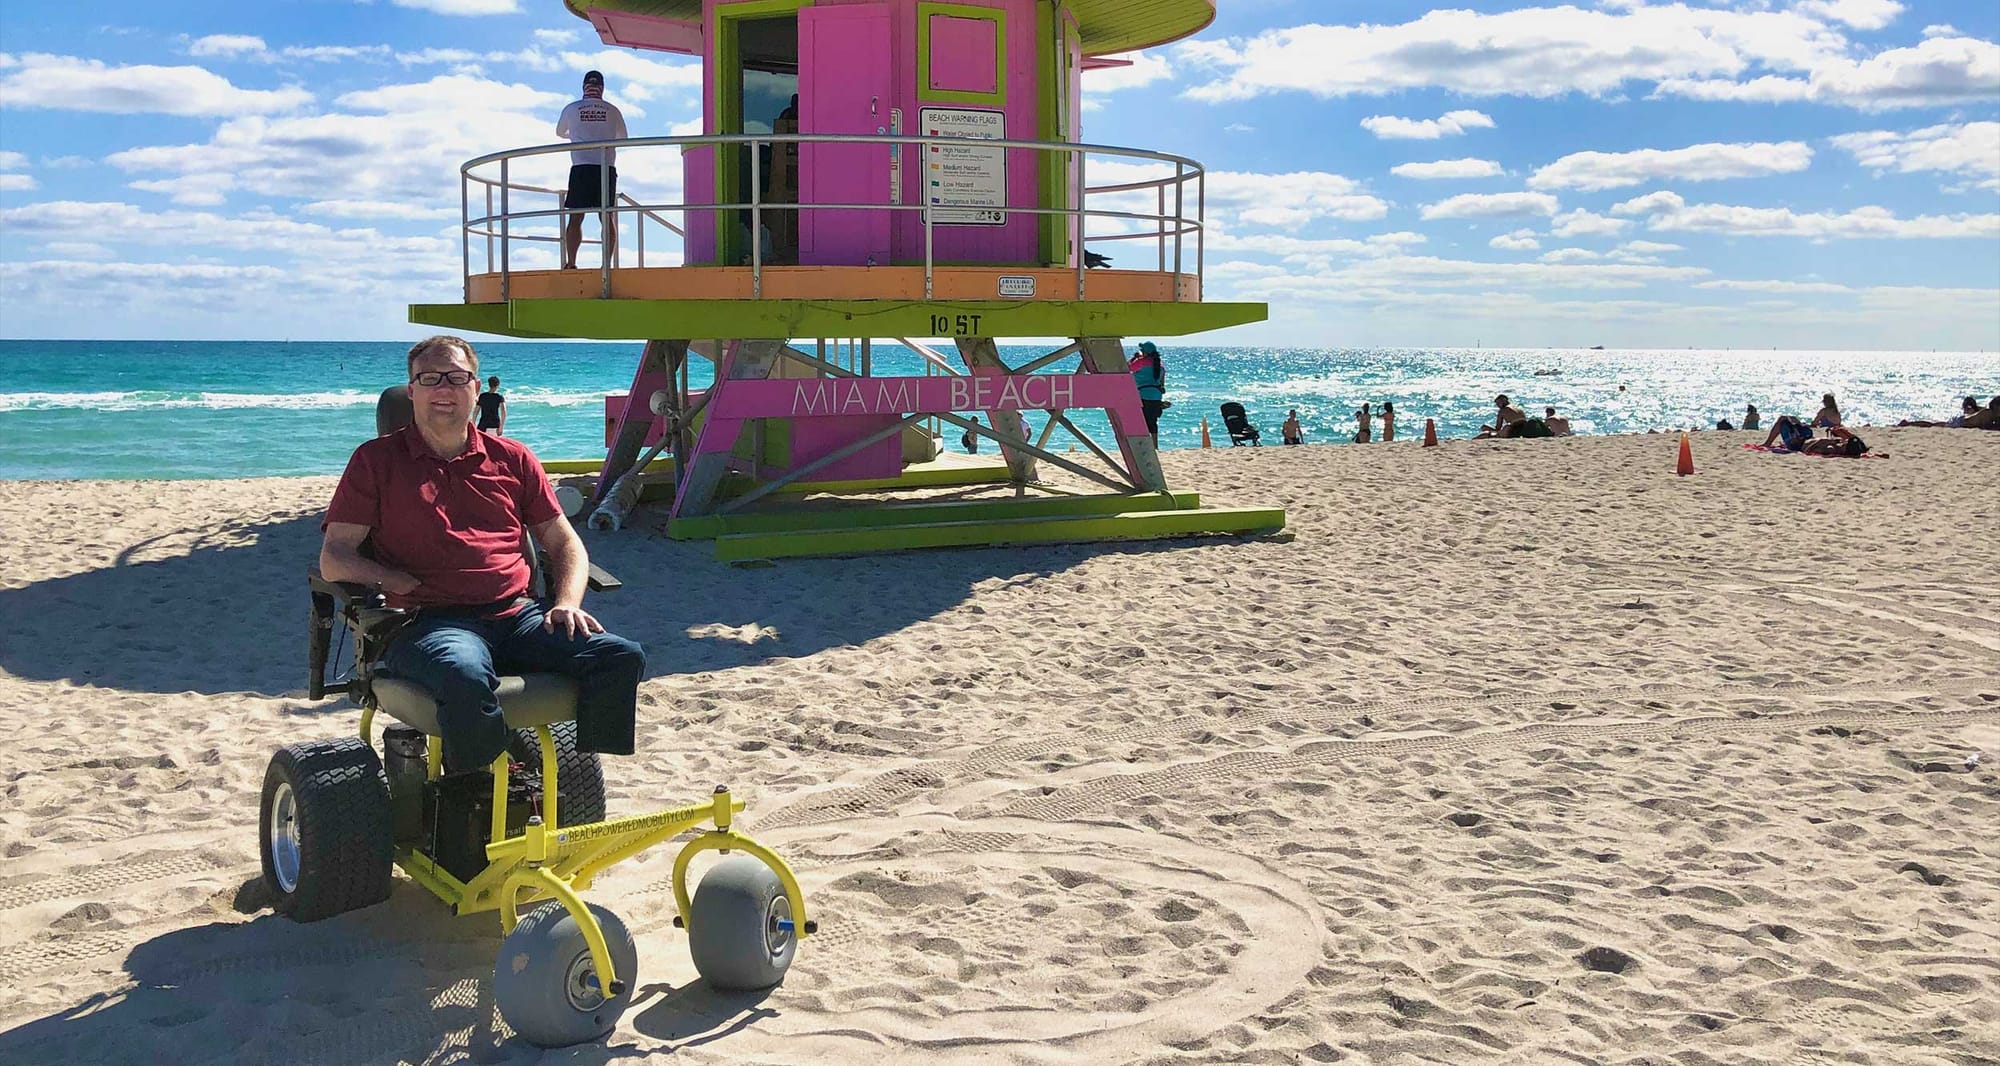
(526, 700)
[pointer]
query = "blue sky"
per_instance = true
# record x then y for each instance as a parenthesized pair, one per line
(1789, 173)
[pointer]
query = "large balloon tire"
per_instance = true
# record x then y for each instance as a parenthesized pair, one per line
(734, 930)
(579, 774)
(324, 829)
(545, 982)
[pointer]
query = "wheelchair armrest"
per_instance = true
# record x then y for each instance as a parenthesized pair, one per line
(363, 608)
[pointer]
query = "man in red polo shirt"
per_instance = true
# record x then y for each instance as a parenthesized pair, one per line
(443, 507)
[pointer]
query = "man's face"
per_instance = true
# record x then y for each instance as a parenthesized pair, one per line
(444, 404)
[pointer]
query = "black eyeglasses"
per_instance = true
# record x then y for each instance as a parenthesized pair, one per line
(431, 379)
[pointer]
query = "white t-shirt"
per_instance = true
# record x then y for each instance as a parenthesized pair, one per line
(592, 119)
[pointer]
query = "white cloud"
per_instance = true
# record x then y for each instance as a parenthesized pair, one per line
(1860, 14)
(1402, 271)
(1449, 168)
(17, 183)
(199, 190)
(226, 44)
(13, 161)
(1971, 149)
(1279, 244)
(408, 153)
(452, 92)
(1237, 197)
(1538, 52)
(1521, 240)
(1648, 247)
(1146, 68)
(70, 84)
(463, 7)
(1685, 50)
(1699, 162)
(1449, 124)
(1667, 212)
(1581, 223)
(1942, 29)
(556, 36)
(1773, 286)
(1570, 255)
(375, 209)
(1491, 205)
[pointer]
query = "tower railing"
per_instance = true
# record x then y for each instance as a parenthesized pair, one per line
(493, 189)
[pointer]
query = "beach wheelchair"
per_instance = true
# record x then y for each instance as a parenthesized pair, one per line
(524, 839)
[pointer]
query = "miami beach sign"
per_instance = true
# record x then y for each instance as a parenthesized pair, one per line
(837, 397)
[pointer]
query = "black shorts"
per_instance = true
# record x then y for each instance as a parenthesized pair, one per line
(585, 184)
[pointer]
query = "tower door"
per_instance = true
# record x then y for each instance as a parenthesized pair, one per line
(844, 87)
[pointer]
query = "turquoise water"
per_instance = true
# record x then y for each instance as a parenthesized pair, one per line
(197, 409)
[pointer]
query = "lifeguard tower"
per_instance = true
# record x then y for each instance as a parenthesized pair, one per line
(870, 174)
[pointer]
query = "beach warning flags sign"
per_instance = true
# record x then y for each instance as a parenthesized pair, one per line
(1430, 433)
(1686, 464)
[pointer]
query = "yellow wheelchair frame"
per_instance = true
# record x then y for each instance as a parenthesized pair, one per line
(551, 861)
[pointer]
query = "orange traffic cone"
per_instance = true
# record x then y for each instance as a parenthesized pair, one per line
(1204, 434)
(1430, 433)
(1686, 464)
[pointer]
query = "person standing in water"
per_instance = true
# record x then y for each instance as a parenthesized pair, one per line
(1388, 421)
(1364, 421)
(493, 409)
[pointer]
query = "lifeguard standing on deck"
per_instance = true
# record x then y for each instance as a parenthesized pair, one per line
(592, 118)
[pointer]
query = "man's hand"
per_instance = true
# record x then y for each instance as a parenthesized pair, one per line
(570, 620)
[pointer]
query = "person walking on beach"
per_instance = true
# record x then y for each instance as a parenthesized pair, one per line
(591, 118)
(1388, 421)
(1150, 374)
(493, 408)
(1751, 419)
(443, 508)
(1293, 432)
(1364, 422)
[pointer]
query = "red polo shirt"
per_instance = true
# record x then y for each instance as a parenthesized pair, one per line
(453, 524)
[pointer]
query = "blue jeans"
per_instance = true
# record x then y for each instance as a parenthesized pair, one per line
(460, 656)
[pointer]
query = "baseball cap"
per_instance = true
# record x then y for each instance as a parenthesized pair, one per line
(592, 77)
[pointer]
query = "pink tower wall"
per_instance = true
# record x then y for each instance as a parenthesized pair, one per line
(1015, 242)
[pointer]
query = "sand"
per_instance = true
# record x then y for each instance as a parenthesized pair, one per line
(1521, 751)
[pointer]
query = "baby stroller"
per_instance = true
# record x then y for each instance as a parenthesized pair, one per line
(1238, 424)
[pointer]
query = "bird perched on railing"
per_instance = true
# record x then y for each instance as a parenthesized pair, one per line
(1093, 260)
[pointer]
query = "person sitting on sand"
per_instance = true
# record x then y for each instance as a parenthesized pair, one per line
(1751, 419)
(1829, 413)
(1505, 422)
(1558, 427)
(443, 507)
(1364, 421)
(1987, 419)
(1793, 431)
(1294, 433)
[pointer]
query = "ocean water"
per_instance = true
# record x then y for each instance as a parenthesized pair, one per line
(209, 409)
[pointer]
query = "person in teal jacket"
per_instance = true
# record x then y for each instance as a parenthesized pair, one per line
(1151, 377)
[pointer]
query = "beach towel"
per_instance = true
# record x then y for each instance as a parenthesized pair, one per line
(1816, 455)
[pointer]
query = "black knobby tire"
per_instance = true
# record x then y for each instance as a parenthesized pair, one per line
(732, 930)
(336, 840)
(542, 982)
(579, 774)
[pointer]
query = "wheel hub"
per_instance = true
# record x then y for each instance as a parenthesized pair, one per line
(580, 983)
(284, 832)
(778, 926)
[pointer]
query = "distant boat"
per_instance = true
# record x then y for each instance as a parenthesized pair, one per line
(1597, 347)
(1548, 373)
